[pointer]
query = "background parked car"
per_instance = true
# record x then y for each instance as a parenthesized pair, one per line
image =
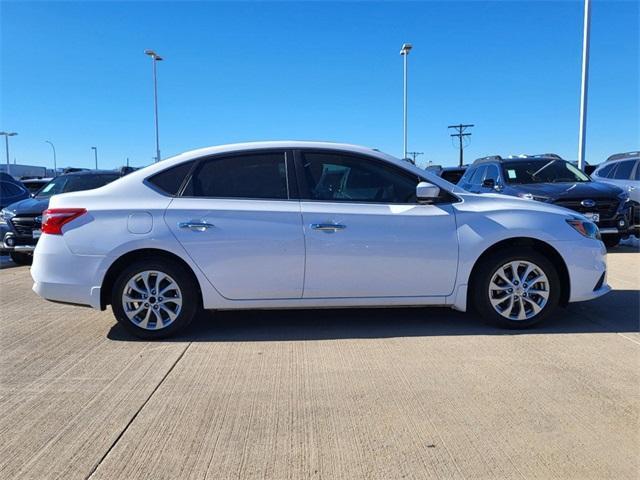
(20, 221)
(550, 179)
(35, 184)
(623, 170)
(11, 190)
(450, 174)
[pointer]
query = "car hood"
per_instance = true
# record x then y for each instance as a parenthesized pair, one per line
(558, 191)
(28, 206)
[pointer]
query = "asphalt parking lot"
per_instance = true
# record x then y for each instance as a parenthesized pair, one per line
(375, 394)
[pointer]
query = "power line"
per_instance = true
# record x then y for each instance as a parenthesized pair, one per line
(461, 129)
(414, 155)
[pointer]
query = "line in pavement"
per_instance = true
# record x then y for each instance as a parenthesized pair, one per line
(95, 467)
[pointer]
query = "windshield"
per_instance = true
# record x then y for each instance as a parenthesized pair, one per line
(75, 183)
(542, 171)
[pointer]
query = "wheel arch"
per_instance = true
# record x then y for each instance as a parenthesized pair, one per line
(535, 244)
(140, 254)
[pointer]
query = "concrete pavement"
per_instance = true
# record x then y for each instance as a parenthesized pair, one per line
(335, 394)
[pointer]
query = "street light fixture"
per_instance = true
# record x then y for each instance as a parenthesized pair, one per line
(404, 51)
(6, 145)
(95, 154)
(55, 167)
(155, 58)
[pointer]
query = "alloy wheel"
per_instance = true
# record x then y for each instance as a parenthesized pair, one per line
(519, 290)
(152, 300)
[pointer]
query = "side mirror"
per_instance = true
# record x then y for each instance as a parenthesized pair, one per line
(489, 183)
(427, 192)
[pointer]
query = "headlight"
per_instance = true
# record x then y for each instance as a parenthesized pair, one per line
(585, 228)
(5, 215)
(530, 196)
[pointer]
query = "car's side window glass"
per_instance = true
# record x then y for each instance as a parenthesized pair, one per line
(337, 177)
(637, 175)
(604, 171)
(623, 172)
(467, 176)
(477, 176)
(612, 172)
(170, 180)
(7, 188)
(256, 175)
(492, 173)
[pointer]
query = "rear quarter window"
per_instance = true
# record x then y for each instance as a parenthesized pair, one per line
(171, 179)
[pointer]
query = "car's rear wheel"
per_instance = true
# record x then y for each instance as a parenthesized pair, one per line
(516, 288)
(22, 258)
(155, 298)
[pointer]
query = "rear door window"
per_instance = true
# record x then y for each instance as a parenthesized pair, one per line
(250, 176)
(623, 172)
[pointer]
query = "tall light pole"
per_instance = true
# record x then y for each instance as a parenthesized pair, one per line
(55, 167)
(95, 154)
(6, 145)
(155, 58)
(404, 51)
(582, 136)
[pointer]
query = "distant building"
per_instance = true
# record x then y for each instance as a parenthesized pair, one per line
(18, 171)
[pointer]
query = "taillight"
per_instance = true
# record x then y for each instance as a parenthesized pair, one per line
(54, 218)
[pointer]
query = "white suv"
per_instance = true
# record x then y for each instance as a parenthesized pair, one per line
(623, 170)
(308, 224)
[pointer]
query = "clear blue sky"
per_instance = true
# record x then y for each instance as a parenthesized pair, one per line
(75, 73)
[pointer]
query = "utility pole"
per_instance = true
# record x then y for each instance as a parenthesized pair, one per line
(414, 155)
(461, 129)
(582, 135)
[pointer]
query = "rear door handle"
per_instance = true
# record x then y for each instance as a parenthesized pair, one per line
(196, 226)
(328, 227)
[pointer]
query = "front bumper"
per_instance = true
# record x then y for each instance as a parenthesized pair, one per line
(586, 263)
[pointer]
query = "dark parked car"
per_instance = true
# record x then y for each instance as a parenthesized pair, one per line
(548, 178)
(34, 184)
(11, 190)
(20, 221)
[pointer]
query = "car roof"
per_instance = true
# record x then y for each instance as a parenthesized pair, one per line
(284, 144)
(624, 156)
(511, 158)
(164, 164)
(91, 172)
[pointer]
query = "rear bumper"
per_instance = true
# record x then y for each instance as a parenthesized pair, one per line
(61, 276)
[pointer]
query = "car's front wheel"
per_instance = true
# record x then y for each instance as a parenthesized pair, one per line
(516, 288)
(155, 298)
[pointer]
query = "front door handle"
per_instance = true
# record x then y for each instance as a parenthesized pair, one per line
(328, 227)
(196, 226)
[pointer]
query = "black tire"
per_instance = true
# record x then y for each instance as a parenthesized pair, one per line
(188, 290)
(488, 267)
(21, 258)
(611, 241)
